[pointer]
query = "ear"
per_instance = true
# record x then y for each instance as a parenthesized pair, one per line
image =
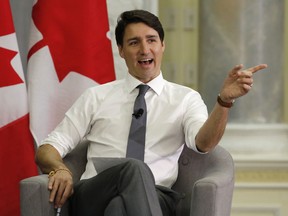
(163, 46)
(120, 50)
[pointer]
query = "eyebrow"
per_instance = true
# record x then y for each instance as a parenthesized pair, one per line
(147, 37)
(152, 36)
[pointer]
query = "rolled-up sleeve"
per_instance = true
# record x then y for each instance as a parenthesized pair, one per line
(195, 115)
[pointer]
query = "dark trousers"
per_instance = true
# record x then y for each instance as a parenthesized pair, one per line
(125, 189)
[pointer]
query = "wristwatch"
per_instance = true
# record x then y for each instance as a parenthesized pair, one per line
(223, 103)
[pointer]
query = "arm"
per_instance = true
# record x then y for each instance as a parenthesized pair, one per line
(238, 83)
(60, 184)
(65, 137)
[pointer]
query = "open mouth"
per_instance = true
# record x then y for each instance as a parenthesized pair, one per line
(145, 61)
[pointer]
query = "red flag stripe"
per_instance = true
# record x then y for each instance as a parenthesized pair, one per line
(17, 163)
(16, 142)
(5, 12)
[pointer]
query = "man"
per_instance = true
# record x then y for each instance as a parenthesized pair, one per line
(176, 115)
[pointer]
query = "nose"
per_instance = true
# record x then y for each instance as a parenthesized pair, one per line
(144, 48)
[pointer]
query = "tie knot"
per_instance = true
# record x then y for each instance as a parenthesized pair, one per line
(143, 89)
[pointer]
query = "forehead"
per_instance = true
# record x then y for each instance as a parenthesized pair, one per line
(139, 30)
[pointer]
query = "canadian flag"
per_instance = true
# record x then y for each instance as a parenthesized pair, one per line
(69, 51)
(16, 142)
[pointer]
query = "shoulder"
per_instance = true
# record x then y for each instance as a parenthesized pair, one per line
(107, 86)
(177, 89)
(94, 96)
(104, 89)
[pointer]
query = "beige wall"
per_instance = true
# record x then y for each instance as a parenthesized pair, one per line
(180, 20)
(181, 60)
(286, 63)
(261, 186)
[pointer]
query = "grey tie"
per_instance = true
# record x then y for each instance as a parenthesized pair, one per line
(136, 139)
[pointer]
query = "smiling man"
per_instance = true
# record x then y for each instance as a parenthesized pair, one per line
(142, 112)
(142, 48)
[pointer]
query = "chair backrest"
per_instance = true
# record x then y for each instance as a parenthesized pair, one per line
(194, 166)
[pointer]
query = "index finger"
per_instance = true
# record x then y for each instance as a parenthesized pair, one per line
(257, 68)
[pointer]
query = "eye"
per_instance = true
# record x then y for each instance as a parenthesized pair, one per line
(151, 40)
(133, 43)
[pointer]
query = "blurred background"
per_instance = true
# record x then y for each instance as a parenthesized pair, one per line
(204, 40)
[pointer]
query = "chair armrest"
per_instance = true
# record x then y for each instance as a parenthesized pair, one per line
(34, 197)
(212, 195)
(34, 193)
(208, 182)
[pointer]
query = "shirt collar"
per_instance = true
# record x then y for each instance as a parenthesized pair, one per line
(156, 84)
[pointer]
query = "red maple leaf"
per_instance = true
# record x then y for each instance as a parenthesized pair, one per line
(75, 32)
(5, 16)
(7, 73)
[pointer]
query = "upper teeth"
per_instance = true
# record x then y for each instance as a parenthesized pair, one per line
(146, 60)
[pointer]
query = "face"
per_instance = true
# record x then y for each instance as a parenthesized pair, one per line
(142, 50)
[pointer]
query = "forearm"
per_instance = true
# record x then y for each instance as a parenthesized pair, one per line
(60, 182)
(238, 83)
(213, 129)
(48, 159)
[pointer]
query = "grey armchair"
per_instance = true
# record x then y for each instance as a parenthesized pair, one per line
(207, 180)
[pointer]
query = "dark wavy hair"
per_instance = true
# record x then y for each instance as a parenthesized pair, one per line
(137, 16)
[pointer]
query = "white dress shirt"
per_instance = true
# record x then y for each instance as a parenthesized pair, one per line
(103, 115)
